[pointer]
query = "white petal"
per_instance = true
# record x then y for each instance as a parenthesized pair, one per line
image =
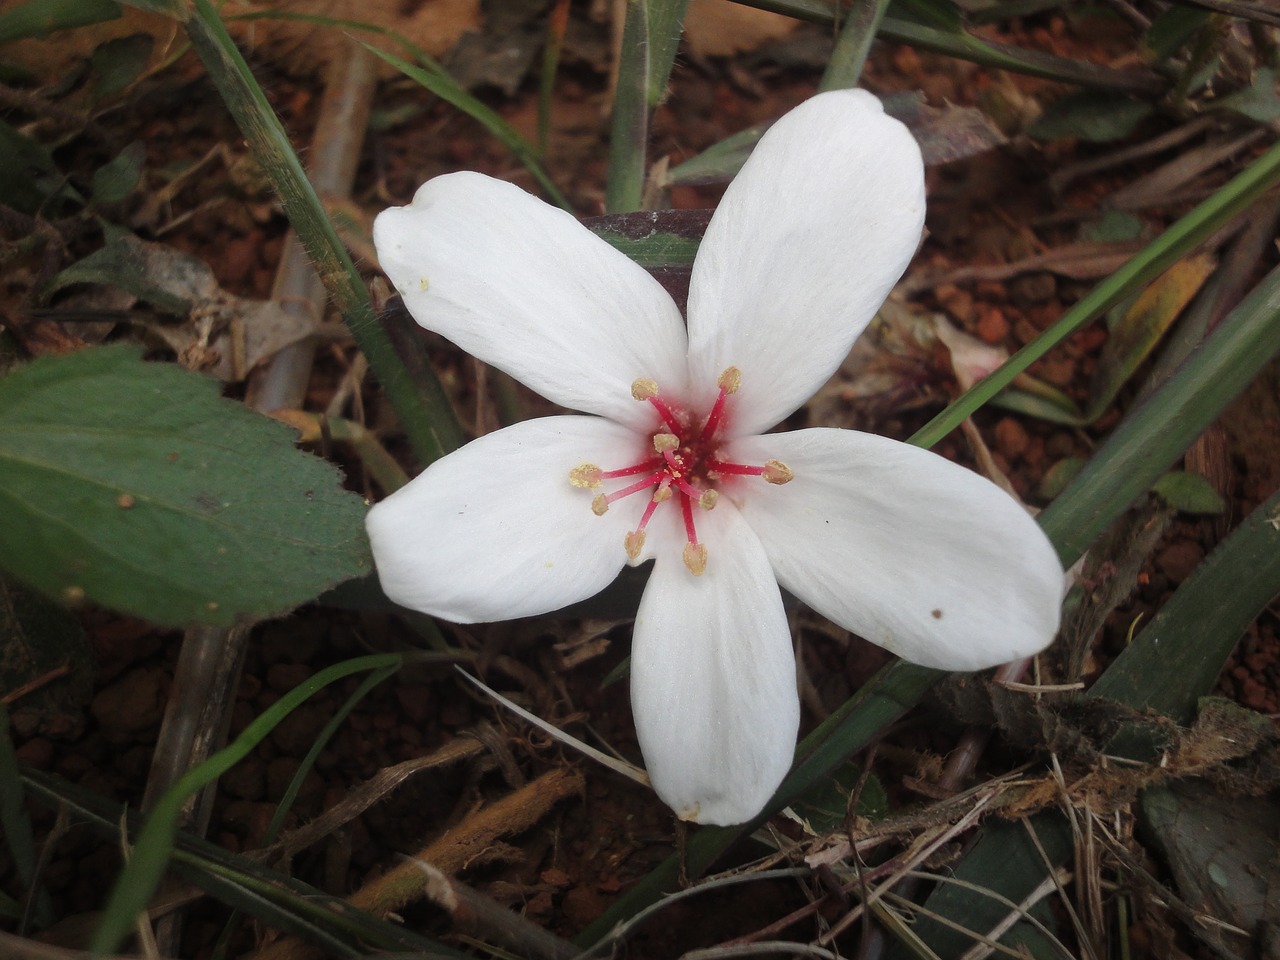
(808, 241)
(495, 530)
(713, 679)
(904, 548)
(522, 285)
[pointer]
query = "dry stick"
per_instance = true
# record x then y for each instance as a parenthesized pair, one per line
(336, 146)
(959, 766)
(460, 846)
(208, 668)
(474, 913)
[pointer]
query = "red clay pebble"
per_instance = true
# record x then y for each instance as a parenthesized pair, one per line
(133, 703)
(1177, 560)
(37, 753)
(1011, 438)
(283, 677)
(992, 326)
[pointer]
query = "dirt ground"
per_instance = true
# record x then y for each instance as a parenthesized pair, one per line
(985, 212)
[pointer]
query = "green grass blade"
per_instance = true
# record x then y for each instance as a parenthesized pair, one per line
(629, 132)
(1189, 640)
(39, 18)
(278, 901)
(321, 741)
(1154, 434)
(18, 835)
(854, 43)
(1176, 242)
(428, 420)
(650, 36)
(138, 881)
(449, 90)
(956, 42)
(1177, 658)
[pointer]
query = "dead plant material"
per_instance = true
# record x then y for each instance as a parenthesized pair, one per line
(468, 842)
(477, 915)
(365, 796)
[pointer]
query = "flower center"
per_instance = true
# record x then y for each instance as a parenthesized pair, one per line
(685, 467)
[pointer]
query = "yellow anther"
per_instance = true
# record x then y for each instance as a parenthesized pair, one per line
(730, 380)
(634, 542)
(599, 504)
(695, 558)
(585, 475)
(644, 388)
(662, 442)
(775, 471)
(661, 494)
(708, 499)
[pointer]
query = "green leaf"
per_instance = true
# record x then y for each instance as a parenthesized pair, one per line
(1187, 643)
(118, 63)
(116, 181)
(826, 806)
(720, 161)
(1260, 101)
(1172, 30)
(1004, 858)
(1090, 115)
(39, 18)
(1189, 493)
(131, 265)
(136, 486)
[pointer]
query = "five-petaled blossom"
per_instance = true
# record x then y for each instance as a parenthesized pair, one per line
(909, 550)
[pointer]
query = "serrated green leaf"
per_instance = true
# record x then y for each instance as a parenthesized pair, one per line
(38, 18)
(1090, 115)
(136, 486)
(119, 62)
(1189, 493)
(115, 181)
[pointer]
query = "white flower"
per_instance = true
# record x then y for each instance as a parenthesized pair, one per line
(906, 549)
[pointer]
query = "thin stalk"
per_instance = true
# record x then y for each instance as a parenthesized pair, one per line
(850, 53)
(1176, 242)
(629, 133)
(428, 420)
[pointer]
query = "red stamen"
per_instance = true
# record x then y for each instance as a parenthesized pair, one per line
(651, 506)
(630, 471)
(668, 417)
(686, 506)
(740, 469)
(713, 418)
(652, 480)
(689, 490)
